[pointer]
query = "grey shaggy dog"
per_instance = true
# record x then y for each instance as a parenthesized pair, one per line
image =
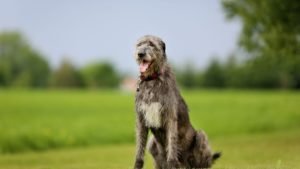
(161, 109)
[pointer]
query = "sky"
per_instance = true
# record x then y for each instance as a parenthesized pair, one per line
(87, 31)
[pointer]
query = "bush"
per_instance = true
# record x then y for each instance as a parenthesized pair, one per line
(100, 75)
(66, 76)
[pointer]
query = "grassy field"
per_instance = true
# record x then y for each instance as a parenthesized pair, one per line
(279, 150)
(95, 129)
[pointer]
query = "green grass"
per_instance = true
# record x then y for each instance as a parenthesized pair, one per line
(41, 120)
(95, 129)
(48, 119)
(279, 150)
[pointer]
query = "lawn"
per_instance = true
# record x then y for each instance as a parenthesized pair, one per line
(279, 150)
(95, 129)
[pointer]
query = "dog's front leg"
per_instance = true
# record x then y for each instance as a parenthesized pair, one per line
(172, 155)
(141, 140)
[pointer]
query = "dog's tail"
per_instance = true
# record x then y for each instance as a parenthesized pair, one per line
(216, 156)
(203, 145)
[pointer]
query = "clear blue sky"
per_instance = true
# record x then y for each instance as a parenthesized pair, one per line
(91, 30)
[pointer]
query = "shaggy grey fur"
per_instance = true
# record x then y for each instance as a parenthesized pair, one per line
(161, 109)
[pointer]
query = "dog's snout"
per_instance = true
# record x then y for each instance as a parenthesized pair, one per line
(141, 54)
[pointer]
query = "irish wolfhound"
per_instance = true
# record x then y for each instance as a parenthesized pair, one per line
(161, 109)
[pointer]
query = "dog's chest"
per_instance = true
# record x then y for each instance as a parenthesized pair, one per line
(151, 108)
(152, 113)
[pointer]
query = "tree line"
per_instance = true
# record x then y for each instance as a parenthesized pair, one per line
(23, 66)
(234, 73)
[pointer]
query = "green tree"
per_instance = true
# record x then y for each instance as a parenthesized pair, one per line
(271, 36)
(214, 75)
(232, 71)
(187, 77)
(20, 64)
(66, 76)
(100, 75)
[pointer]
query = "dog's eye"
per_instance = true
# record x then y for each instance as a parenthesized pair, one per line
(151, 44)
(139, 44)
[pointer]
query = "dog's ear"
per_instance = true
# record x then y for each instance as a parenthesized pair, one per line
(163, 46)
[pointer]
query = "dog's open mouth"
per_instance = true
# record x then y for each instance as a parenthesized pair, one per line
(144, 65)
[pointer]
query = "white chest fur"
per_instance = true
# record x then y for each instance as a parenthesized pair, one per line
(152, 114)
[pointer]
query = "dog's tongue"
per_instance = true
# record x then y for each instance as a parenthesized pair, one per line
(144, 66)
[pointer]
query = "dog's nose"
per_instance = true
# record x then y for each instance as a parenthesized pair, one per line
(141, 54)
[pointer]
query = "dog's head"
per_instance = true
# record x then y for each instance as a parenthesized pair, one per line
(150, 54)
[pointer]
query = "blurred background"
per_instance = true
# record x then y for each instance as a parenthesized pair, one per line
(68, 77)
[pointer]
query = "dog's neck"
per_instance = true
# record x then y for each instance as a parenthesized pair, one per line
(153, 76)
(145, 78)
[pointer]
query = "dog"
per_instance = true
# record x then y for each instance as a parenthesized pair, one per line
(161, 109)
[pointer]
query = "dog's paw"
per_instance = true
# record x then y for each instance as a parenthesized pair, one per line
(173, 164)
(138, 164)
